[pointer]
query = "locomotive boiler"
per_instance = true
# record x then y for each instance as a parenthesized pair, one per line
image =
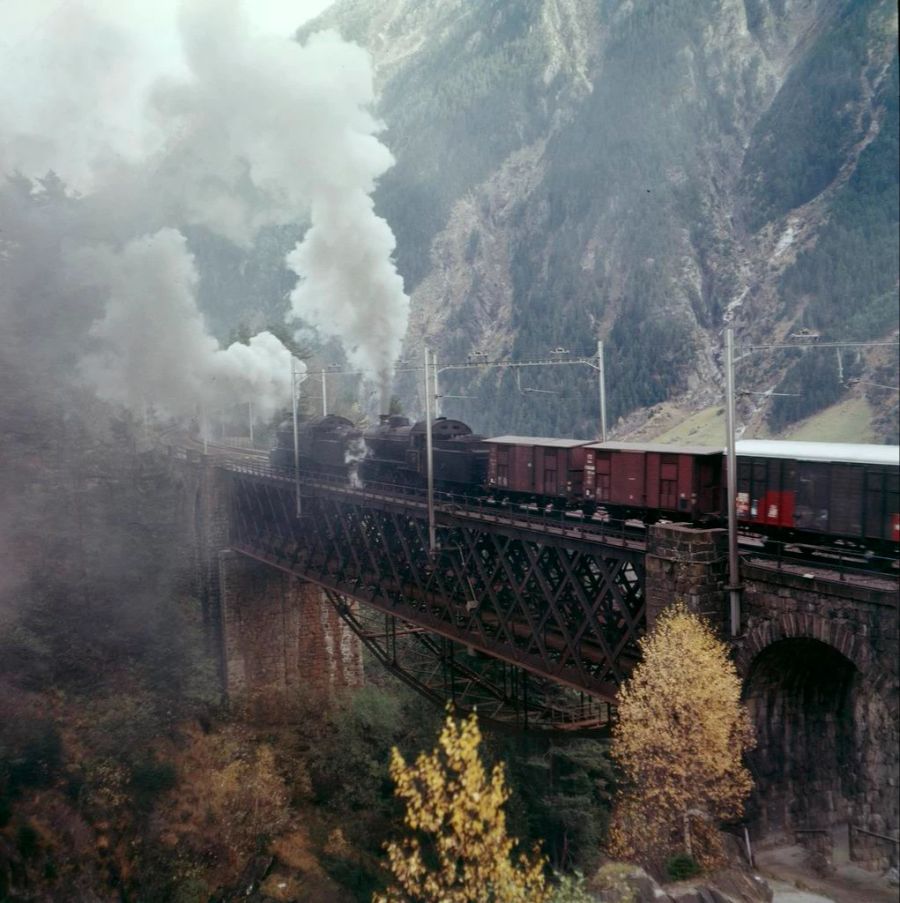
(325, 445)
(396, 453)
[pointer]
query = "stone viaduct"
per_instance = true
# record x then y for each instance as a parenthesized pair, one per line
(818, 657)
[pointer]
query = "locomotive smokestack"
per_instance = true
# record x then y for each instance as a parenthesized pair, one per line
(384, 384)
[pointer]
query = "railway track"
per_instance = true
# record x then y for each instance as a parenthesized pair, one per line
(455, 508)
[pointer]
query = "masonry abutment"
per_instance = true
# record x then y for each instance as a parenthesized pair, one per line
(687, 565)
(280, 638)
(819, 660)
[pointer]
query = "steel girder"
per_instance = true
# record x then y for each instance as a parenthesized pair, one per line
(566, 608)
(447, 672)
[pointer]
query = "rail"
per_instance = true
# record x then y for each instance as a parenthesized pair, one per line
(829, 564)
(887, 837)
(851, 830)
(597, 529)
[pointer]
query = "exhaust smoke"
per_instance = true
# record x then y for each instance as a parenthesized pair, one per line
(238, 131)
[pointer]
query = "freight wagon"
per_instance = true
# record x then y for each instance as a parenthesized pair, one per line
(534, 469)
(680, 482)
(814, 489)
(627, 479)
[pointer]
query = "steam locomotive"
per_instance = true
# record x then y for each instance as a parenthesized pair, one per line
(392, 452)
(797, 491)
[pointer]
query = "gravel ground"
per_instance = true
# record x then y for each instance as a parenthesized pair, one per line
(789, 874)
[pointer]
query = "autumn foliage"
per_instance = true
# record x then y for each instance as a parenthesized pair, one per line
(459, 851)
(680, 738)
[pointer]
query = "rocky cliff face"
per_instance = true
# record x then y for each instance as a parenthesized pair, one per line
(642, 172)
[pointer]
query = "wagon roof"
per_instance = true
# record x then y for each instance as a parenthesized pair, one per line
(542, 441)
(658, 447)
(845, 452)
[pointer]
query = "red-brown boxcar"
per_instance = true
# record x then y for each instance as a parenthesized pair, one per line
(675, 480)
(536, 467)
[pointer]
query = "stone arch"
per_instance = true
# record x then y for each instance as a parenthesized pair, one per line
(792, 625)
(824, 719)
(837, 634)
(800, 692)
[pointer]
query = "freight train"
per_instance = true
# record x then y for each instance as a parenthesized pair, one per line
(795, 491)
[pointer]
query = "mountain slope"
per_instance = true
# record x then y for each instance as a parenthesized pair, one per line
(641, 172)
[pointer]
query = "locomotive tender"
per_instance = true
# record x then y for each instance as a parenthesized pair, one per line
(806, 491)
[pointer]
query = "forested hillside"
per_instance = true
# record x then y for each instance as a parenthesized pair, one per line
(641, 173)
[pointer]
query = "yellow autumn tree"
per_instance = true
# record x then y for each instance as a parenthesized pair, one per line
(459, 851)
(680, 738)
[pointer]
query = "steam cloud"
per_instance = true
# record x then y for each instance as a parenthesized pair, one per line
(251, 130)
(348, 286)
(188, 364)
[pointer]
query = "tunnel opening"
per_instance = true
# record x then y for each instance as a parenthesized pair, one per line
(801, 695)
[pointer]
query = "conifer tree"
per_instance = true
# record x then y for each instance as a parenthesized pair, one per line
(459, 851)
(680, 738)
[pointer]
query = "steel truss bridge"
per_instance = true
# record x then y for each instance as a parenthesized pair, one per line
(534, 620)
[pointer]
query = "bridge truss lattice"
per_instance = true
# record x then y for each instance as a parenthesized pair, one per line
(531, 621)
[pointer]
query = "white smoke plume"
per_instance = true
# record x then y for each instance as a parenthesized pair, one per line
(348, 285)
(153, 342)
(291, 123)
(244, 130)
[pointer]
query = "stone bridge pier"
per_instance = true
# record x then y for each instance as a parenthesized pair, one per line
(281, 639)
(818, 658)
(275, 638)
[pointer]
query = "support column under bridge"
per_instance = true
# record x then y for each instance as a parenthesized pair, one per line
(280, 638)
(818, 656)
(271, 636)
